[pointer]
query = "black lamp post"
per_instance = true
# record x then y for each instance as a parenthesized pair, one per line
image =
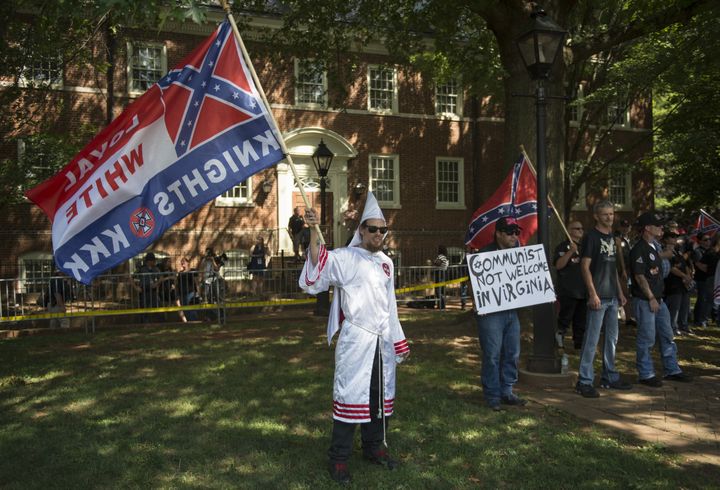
(539, 47)
(322, 159)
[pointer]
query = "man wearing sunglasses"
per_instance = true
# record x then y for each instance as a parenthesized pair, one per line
(371, 340)
(570, 287)
(499, 335)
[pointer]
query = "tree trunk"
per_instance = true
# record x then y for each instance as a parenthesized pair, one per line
(521, 108)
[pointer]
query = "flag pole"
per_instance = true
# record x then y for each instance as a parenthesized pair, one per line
(557, 215)
(285, 151)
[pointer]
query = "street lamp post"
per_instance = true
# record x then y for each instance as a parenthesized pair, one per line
(539, 47)
(322, 159)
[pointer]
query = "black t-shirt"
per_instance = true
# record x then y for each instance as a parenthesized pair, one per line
(697, 256)
(569, 278)
(710, 259)
(674, 284)
(296, 224)
(600, 249)
(645, 260)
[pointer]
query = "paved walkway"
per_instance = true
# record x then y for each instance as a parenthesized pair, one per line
(684, 417)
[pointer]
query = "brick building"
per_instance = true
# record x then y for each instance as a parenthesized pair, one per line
(430, 154)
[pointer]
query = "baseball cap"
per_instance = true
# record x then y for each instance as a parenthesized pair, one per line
(650, 218)
(507, 224)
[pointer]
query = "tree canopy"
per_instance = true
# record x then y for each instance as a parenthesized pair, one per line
(620, 50)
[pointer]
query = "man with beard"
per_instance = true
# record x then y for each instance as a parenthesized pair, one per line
(371, 340)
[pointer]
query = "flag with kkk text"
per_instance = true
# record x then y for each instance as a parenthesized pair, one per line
(706, 224)
(196, 133)
(516, 197)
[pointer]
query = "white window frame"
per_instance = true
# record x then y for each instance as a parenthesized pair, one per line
(460, 203)
(458, 95)
(618, 116)
(47, 64)
(132, 46)
(576, 111)
(579, 203)
(23, 279)
(395, 159)
(235, 268)
(394, 103)
(298, 82)
(226, 200)
(626, 191)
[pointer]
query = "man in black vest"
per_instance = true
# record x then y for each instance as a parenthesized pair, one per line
(651, 312)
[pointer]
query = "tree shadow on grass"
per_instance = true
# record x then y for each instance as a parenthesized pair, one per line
(249, 406)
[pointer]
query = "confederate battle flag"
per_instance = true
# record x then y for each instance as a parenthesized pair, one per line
(516, 197)
(199, 131)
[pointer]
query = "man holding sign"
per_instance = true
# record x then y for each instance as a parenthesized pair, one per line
(499, 332)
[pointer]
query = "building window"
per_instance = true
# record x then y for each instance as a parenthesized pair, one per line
(382, 89)
(617, 114)
(43, 70)
(449, 183)
(619, 185)
(36, 269)
(448, 98)
(311, 84)
(455, 255)
(236, 265)
(576, 106)
(384, 179)
(147, 64)
(240, 195)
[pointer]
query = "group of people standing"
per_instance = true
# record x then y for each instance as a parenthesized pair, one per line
(600, 272)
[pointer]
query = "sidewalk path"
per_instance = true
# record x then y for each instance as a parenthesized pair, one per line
(680, 416)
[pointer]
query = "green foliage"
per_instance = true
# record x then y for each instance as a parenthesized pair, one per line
(42, 156)
(687, 144)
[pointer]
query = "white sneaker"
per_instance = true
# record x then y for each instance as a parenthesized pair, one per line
(559, 340)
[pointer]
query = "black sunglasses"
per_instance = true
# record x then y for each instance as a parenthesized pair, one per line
(512, 232)
(375, 229)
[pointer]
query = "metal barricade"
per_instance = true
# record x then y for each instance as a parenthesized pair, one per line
(187, 296)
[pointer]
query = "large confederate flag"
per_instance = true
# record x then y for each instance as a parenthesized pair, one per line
(196, 133)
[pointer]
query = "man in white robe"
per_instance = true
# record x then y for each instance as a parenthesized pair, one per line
(371, 340)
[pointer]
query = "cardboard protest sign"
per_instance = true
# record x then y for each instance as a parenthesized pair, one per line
(510, 278)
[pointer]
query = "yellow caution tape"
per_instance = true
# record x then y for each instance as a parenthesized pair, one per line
(205, 306)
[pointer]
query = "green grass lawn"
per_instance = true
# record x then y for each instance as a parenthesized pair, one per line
(248, 405)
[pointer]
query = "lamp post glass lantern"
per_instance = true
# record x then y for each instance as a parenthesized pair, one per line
(322, 159)
(539, 47)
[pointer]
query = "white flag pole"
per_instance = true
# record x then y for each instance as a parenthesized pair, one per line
(285, 151)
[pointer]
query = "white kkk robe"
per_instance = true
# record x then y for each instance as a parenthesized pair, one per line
(365, 283)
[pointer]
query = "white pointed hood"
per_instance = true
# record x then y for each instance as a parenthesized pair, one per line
(371, 211)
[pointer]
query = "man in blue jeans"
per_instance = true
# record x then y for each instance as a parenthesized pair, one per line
(651, 312)
(598, 267)
(499, 335)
